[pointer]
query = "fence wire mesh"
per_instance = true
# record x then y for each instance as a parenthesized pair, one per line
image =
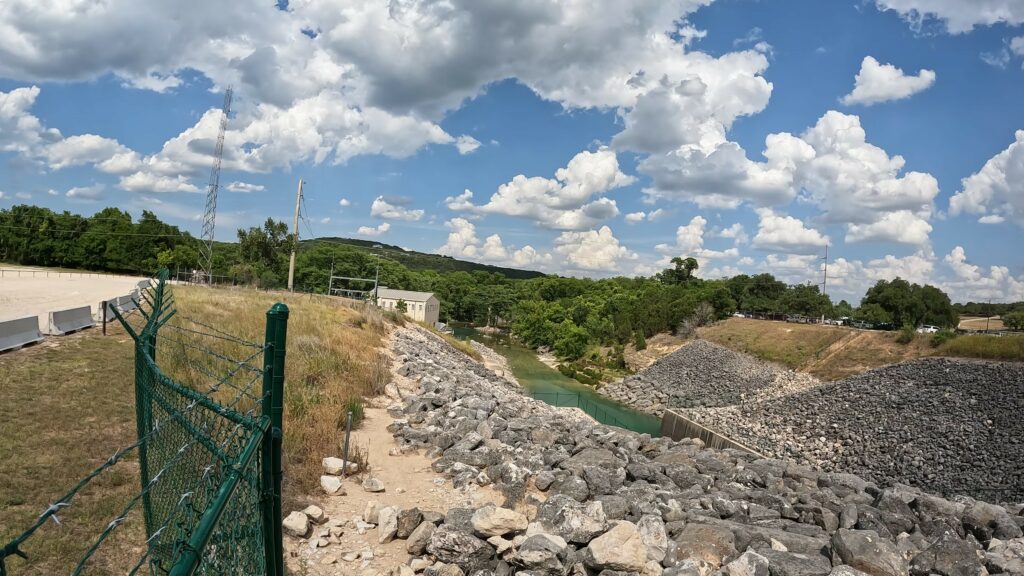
(208, 450)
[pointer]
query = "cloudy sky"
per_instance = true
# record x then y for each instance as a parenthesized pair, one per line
(584, 137)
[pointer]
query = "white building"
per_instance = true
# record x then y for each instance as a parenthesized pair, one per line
(420, 306)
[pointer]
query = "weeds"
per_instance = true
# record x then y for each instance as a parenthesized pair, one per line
(906, 335)
(984, 346)
(941, 337)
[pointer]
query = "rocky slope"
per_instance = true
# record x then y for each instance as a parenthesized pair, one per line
(583, 498)
(704, 374)
(951, 426)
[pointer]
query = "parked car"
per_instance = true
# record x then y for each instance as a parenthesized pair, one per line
(927, 329)
(738, 315)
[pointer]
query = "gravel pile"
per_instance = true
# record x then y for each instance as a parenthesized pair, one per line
(702, 374)
(949, 426)
(587, 499)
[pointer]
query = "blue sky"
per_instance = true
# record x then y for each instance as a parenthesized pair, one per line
(585, 138)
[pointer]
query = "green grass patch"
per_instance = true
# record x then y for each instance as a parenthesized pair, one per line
(984, 346)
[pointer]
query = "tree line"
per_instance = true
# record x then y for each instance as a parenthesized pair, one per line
(569, 315)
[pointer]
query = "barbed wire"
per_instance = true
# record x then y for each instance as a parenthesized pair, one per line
(201, 430)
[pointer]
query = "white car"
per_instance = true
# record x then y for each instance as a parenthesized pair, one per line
(738, 315)
(927, 329)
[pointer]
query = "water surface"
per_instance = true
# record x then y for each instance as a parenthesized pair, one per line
(553, 387)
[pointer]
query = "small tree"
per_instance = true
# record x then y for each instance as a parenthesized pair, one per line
(401, 306)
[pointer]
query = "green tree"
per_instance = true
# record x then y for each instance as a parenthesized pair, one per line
(1014, 320)
(570, 341)
(681, 273)
(401, 306)
(872, 314)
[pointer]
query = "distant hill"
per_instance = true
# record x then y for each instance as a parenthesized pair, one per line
(423, 261)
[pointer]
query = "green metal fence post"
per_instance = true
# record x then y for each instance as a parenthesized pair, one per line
(273, 406)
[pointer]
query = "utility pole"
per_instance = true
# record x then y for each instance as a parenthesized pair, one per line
(295, 240)
(824, 279)
(376, 275)
(330, 280)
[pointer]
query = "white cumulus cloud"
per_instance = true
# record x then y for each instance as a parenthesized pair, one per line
(997, 190)
(957, 16)
(374, 231)
(565, 202)
(593, 250)
(877, 82)
(393, 210)
(786, 234)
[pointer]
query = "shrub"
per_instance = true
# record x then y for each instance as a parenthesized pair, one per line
(906, 335)
(941, 337)
(638, 341)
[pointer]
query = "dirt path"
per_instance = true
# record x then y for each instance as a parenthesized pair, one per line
(38, 295)
(409, 483)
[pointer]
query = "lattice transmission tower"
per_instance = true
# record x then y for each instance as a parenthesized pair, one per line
(209, 219)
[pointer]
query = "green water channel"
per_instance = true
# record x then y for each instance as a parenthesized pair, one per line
(553, 387)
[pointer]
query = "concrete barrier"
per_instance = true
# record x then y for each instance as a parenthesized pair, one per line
(676, 426)
(18, 332)
(70, 320)
(126, 303)
(111, 305)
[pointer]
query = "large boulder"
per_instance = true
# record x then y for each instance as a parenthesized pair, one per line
(420, 538)
(494, 521)
(749, 563)
(620, 548)
(867, 552)
(715, 545)
(948, 556)
(541, 552)
(596, 457)
(796, 564)
(461, 548)
(652, 534)
(296, 524)
(387, 524)
(987, 521)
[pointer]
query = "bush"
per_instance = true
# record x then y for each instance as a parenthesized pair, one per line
(638, 341)
(906, 335)
(941, 337)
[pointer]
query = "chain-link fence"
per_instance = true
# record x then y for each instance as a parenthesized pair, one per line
(208, 447)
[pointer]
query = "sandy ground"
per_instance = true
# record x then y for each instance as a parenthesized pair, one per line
(993, 323)
(409, 483)
(37, 294)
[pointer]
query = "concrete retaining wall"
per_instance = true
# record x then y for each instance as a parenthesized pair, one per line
(18, 332)
(677, 427)
(70, 320)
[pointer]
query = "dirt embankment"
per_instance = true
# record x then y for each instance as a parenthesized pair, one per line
(826, 352)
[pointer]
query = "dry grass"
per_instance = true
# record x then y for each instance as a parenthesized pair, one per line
(461, 345)
(333, 359)
(69, 405)
(792, 345)
(834, 352)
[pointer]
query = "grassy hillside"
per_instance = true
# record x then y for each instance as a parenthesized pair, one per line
(423, 261)
(834, 352)
(70, 405)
